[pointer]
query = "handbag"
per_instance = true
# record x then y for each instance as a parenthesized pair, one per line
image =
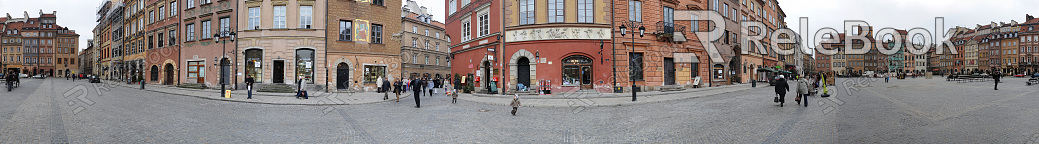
(776, 99)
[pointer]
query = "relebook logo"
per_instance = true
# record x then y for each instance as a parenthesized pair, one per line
(856, 32)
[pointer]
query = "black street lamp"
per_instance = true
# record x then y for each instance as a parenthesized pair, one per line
(642, 32)
(224, 63)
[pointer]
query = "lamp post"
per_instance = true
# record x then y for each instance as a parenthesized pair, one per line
(642, 32)
(223, 64)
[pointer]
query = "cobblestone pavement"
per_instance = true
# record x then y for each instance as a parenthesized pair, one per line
(903, 111)
(938, 111)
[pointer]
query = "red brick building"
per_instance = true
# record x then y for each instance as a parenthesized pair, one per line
(473, 28)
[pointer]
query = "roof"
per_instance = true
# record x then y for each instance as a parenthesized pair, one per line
(414, 16)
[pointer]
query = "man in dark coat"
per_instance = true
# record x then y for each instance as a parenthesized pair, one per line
(385, 89)
(996, 77)
(397, 88)
(781, 88)
(249, 86)
(416, 85)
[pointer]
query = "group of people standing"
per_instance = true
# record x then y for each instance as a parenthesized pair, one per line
(420, 87)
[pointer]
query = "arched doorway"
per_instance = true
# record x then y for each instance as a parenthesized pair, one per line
(154, 73)
(342, 76)
(523, 71)
(577, 70)
(169, 74)
(254, 64)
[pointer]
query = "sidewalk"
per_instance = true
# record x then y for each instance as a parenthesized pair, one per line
(602, 99)
(316, 97)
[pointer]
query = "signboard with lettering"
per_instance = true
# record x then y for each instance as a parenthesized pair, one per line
(557, 34)
(360, 30)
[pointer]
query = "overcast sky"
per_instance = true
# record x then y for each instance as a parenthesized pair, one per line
(903, 14)
(75, 14)
(435, 7)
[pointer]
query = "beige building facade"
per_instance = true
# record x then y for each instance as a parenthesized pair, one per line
(281, 41)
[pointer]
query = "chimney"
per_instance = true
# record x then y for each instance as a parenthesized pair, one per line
(1028, 17)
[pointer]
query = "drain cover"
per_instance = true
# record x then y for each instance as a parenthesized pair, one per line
(484, 110)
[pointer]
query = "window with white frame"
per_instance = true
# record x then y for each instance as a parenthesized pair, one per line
(556, 11)
(345, 30)
(173, 8)
(635, 11)
(162, 10)
(206, 29)
(225, 26)
(190, 4)
(427, 45)
(376, 36)
(452, 7)
(306, 16)
(173, 37)
(189, 32)
(485, 22)
(279, 17)
(254, 18)
(526, 11)
(585, 11)
(466, 30)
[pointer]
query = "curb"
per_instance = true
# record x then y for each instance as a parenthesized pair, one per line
(258, 102)
(587, 106)
(618, 95)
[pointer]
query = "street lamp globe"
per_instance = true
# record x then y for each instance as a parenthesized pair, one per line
(624, 30)
(642, 31)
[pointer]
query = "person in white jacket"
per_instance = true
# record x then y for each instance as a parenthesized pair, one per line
(804, 88)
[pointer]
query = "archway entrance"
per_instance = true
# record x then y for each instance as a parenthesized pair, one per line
(523, 71)
(577, 71)
(169, 74)
(153, 73)
(342, 76)
(487, 77)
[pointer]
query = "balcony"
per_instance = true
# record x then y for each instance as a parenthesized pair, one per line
(668, 31)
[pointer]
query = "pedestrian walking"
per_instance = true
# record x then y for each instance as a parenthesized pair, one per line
(378, 85)
(302, 88)
(781, 88)
(385, 87)
(416, 86)
(249, 86)
(803, 90)
(515, 104)
(397, 88)
(996, 78)
(429, 86)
